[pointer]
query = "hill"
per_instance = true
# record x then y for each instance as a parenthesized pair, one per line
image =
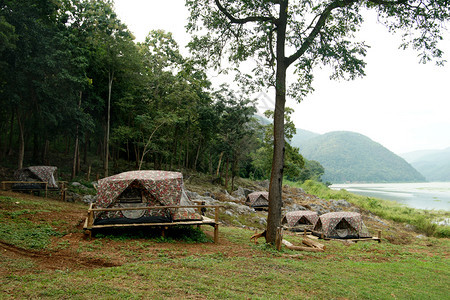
(348, 156)
(302, 136)
(433, 164)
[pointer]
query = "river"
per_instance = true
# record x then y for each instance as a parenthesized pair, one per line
(424, 195)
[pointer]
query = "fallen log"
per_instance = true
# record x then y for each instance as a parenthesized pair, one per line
(258, 235)
(289, 245)
(313, 244)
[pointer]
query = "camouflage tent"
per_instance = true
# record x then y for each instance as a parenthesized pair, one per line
(300, 217)
(341, 225)
(37, 173)
(142, 189)
(258, 199)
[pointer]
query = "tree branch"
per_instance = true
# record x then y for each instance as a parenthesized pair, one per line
(319, 25)
(244, 20)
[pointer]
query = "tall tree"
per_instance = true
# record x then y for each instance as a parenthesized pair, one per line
(113, 47)
(278, 34)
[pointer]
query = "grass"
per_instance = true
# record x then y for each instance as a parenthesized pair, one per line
(185, 264)
(422, 220)
(363, 270)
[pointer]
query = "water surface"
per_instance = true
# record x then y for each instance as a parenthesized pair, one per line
(424, 195)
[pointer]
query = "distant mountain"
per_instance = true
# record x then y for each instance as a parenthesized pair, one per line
(353, 157)
(301, 137)
(433, 164)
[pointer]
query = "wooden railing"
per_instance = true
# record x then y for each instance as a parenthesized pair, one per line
(89, 223)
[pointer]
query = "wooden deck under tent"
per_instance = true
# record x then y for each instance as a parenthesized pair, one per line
(89, 225)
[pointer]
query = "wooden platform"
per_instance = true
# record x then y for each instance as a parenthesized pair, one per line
(318, 235)
(42, 186)
(89, 222)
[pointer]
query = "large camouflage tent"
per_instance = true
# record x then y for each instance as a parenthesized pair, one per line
(258, 200)
(143, 189)
(341, 225)
(36, 173)
(300, 218)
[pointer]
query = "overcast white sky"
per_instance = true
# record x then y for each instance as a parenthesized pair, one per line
(401, 104)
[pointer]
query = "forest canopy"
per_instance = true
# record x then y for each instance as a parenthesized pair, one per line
(74, 84)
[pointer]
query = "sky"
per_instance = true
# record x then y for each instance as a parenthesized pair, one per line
(400, 103)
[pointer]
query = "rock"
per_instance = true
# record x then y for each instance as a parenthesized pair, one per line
(265, 184)
(288, 201)
(239, 208)
(373, 218)
(262, 221)
(341, 202)
(318, 208)
(420, 236)
(88, 198)
(229, 213)
(335, 208)
(75, 183)
(192, 195)
(294, 207)
(300, 191)
(239, 193)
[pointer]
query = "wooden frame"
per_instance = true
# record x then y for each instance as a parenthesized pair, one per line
(61, 184)
(365, 239)
(89, 222)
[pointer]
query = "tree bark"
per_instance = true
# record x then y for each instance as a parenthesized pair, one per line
(276, 178)
(9, 151)
(76, 152)
(21, 141)
(108, 120)
(218, 165)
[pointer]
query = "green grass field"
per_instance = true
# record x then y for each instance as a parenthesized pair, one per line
(48, 258)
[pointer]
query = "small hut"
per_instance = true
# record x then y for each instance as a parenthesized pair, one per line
(341, 225)
(300, 220)
(258, 200)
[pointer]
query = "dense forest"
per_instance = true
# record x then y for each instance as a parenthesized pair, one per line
(74, 84)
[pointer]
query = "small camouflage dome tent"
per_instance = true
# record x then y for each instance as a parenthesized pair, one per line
(341, 225)
(300, 219)
(36, 173)
(258, 200)
(143, 189)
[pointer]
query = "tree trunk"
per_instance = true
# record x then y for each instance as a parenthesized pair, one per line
(11, 134)
(276, 178)
(226, 172)
(45, 152)
(218, 165)
(108, 119)
(76, 152)
(196, 158)
(21, 141)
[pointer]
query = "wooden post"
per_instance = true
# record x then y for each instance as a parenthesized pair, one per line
(379, 236)
(216, 214)
(3, 185)
(216, 233)
(90, 218)
(46, 185)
